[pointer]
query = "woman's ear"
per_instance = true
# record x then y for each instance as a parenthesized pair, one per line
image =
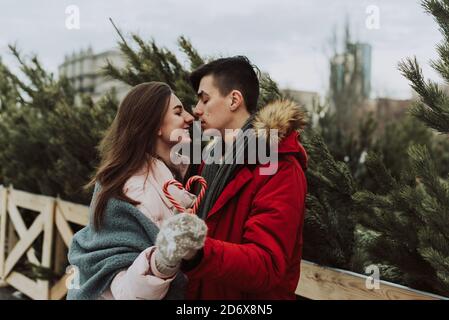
(159, 132)
(236, 100)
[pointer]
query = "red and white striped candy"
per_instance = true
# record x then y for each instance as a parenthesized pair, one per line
(189, 184)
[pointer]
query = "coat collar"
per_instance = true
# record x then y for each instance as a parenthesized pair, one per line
(289, 145)
(243, 176)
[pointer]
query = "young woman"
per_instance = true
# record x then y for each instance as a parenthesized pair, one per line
(115, 256)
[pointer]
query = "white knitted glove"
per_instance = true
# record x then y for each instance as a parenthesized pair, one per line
(179, 237)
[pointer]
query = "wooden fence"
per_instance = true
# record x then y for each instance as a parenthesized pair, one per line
(52, 229)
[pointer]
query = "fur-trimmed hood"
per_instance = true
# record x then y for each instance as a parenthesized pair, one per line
(284, 115)
(289, 119)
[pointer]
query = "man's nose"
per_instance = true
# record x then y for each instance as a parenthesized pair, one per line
(197, 111)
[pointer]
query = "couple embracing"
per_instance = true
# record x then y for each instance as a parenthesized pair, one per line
(245, 240)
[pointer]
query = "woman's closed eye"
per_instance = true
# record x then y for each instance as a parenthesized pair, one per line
(178, 110)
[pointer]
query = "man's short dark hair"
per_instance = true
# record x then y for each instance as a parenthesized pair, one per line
(234, 73)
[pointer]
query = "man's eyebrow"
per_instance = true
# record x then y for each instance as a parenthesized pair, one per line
(201, 94)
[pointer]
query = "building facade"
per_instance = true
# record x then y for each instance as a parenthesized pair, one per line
(352, 70)
(84, 70)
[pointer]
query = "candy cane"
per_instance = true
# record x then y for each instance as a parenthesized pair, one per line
(170, 197)
(202, 192)
(188, 188)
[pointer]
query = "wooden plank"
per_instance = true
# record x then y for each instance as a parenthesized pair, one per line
(75, 213)
(59, 253)
(16, 219)
(11, 238)
(3, 222)
(323, 283)
(59, 290)
(47, 245)
(24, 243)
(28, 200)
(24, 285)
(3, 284)
(44, 289)
(64, 228)
(19, 225)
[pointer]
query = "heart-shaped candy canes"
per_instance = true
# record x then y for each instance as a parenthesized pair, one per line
(189, 184)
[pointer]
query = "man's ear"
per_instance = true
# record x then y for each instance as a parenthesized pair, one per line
(236, 100)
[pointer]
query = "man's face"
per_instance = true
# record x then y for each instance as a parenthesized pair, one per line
(212, 108)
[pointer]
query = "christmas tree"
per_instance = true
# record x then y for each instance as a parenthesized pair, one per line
(408, 224)
(47, 141)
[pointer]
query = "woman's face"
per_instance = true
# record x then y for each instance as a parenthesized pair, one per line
(176, 123)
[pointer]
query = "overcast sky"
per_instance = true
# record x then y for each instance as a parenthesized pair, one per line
(289, 39)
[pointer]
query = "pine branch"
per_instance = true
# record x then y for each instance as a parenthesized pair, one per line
(133, 58)
(440, 11)
(428, 173)
(433, 109)
(442, 65)
(192, 54)
(380, 173)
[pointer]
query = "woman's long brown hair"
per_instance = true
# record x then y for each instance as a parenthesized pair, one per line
(129, 143)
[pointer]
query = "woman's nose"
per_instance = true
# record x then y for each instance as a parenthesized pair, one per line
(189, 118)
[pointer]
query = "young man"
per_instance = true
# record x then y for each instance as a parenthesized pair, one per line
(254, 243)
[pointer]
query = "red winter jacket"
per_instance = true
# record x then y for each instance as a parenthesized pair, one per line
(254, 244)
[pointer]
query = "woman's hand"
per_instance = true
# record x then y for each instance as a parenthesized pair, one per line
(179, 238)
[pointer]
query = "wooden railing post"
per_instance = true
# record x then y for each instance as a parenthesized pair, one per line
(3, 221)
(11, 238)
(47, 245)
